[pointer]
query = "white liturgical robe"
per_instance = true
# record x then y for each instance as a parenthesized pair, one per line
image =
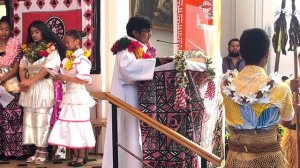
(127, 71)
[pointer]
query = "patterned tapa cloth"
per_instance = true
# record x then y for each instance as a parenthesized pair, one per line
(11, 119)
(156, 98)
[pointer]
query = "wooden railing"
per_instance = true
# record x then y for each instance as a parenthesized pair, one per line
(160, 127)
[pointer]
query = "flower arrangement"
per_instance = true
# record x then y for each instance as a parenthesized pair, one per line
(71, 57)
(34, 51)
(230, 90)
(134, 47)
(181, 81)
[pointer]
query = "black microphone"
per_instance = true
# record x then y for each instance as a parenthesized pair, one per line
(167, 42)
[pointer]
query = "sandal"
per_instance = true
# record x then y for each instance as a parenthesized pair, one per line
(33, 158)
(41, 160)
(74, 159)
(82, 163)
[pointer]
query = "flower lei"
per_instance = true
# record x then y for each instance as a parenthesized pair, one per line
(71, 57)
(34, 51)
(11, 51)
(230, 90)
(181, 81)
(134, 47)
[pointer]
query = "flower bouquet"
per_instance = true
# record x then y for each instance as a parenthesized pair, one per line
(35, 51)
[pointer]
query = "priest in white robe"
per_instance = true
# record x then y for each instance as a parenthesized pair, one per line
(134, 62)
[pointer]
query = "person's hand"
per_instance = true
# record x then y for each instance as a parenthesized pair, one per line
(294, 84)
(26, 83)
(24, 88)
(61, 77)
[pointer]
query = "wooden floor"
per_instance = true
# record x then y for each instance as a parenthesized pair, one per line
(94, 161)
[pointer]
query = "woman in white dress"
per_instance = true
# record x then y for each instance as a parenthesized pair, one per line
(43, 49)
(73, 128)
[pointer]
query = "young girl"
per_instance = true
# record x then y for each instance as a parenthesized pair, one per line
(73, 128)
(43, 49)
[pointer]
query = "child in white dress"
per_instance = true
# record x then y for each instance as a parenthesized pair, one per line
(73, 128)
(43, 49)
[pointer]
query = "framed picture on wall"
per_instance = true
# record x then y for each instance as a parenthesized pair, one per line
(159, 11)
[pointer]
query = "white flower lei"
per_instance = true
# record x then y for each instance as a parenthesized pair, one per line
(230, 90)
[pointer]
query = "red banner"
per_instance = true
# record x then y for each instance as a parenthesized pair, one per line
(192, 16)
(60, 21)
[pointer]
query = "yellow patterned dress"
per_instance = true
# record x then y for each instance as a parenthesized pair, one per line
(254, 104)
(289, 146)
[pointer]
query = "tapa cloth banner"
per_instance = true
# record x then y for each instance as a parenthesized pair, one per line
(60, 16)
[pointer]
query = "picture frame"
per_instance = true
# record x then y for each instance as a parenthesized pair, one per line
(160, 12)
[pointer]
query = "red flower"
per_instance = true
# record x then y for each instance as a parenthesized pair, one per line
(42, 53)
(146, 55)
(133, 45)
(115, 48)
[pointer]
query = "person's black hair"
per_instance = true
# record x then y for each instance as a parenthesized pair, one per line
(234, 39)
(77, 35)
(137, 23)
(48, 36)
(5, 19)
(254, 44)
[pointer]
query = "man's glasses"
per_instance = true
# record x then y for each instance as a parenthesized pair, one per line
(146, 31)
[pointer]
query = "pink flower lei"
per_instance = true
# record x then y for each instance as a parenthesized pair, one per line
(11, 51)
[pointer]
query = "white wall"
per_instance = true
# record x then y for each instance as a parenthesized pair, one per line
(236, 16)
(2, 9)
(162, 49)
(240, 15)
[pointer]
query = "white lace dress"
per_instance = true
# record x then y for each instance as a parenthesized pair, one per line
(73, 129)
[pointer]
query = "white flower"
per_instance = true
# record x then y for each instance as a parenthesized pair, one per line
(265, 88)
(251, 98)
(235, 72)
(238, 96)
(265, 94)
(226, 91)
(230, 79)
(231, 87)
(276, 78)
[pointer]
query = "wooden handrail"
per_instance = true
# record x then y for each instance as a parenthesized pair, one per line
(160, 127)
